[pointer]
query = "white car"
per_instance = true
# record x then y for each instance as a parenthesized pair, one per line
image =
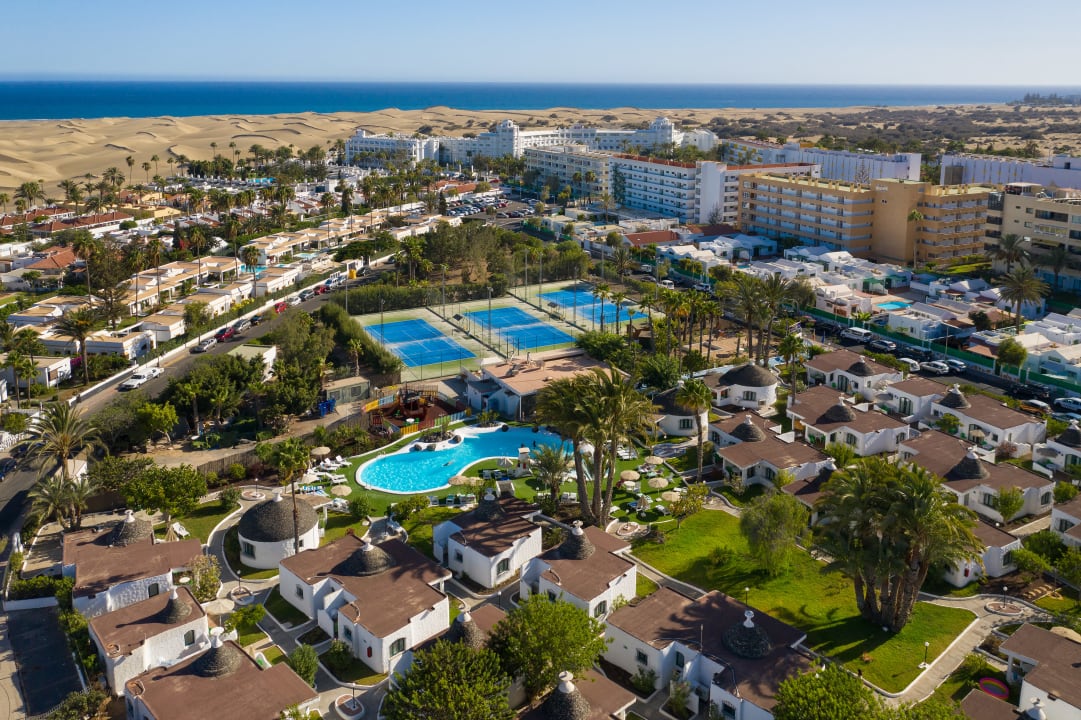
(141, 377)
(1070, 404)
(957, 366)
(935, 367)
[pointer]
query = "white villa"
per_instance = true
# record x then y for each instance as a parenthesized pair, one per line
(265, 531)
(825, 418)
(749, 386)
(850, 373)
(988, 422)
(490, 543)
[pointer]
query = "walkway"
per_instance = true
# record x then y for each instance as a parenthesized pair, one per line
(11, 701)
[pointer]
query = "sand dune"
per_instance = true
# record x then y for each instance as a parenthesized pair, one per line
(52, 151)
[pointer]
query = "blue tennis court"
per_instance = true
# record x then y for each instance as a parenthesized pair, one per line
(417, 343)
(586, 305)
(520, 329)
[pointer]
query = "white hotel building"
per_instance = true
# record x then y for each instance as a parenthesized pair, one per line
(1060, 171)
(506, 138)
(835, 164)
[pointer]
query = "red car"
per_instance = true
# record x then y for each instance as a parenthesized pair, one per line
(320, 289)
(225, 334)
(281, 307)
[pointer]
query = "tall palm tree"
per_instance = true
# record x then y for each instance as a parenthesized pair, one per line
(79, 325)
(792, 349)
(21, 367)
(696, 397)
(1020, 287)
(49, 497)
(197, 242)
(61, 433)
(4, 200)
(1057, 260)
(562, 404)
(601, 292)
(291, 458)
(1011, 249)
(86, 247)
(618, 414)
(749, 305)
(356, 352)
(79, 491)
(549, 463)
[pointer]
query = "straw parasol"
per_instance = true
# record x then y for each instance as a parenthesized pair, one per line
(507, 461)
(461, 480)
(658, 482)
(631, 475)
(670, 496)
(320, 452)
(341, 490)
(654, 460)
(219, 607)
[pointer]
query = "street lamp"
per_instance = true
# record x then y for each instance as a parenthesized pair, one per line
(926, 648)
(1004, 589)
(746, 595)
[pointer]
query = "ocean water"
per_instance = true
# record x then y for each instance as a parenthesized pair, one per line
(25, 100)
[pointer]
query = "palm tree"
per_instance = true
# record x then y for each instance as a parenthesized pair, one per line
(61, 433)
(49, 497)
(696, 397)
(79, 491)
(86, 247)
(1057, 259)
(618, 414)
(562, 404)
(21, 367)
(250, 255)
(1020, 287)
(749, 305)
(356, 352)
(79, 325)
(549, 464)
(4, 200)
(792, 349)
(197, 242)
(1011, 249)
(291, 458)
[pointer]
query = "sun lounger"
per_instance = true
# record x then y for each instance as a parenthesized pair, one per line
(180, 530)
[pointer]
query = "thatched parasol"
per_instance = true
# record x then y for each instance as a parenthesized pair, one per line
(631, 475)
(670, 496)
(320, 452)
(654, 460)
(658, 482)
(461, 480)
(341, 490)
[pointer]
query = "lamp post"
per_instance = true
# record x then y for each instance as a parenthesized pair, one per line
(747, 596)
(1004, 589)
(382, 337)
(489, 315)
(444, 266)
(926, 648)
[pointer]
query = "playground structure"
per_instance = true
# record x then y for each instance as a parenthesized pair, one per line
(411, 403)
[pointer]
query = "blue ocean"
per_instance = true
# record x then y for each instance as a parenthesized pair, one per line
(26, 100)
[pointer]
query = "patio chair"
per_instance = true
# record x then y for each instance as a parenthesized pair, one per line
(180, 530)
(433, 501)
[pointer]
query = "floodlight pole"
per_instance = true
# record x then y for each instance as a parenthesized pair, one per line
(489, 315)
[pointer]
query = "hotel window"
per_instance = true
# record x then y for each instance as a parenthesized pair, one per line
(189, 638)
(680, 660)
(850, 439)
(153, 590)
(552, 596)
(601, 609)
(1045, 499)
(347, 633)
(300, 592)
(987, 499)
(247, 549)
(686, 423)
(750, 395)
(397, 647)
(457, 556)
(503, 566)
(640, 657)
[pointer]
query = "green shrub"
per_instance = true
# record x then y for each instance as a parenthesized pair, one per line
(644, 681)
(411, 505)
(245, 618)
(305, 663)
(237, 472)
(721, 556)
(338, 658)
(360, 507)
(39, 586)
(229, 497)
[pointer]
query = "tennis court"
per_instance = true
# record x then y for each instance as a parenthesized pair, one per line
(417, 343)
(585, 305)
(520, 330)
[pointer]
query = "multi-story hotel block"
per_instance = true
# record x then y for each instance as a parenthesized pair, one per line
(1048, 217)
(891, 220)
(846, 165)
(584, 170)
(1061, 171)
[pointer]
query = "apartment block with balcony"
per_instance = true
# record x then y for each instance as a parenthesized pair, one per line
(1049, 218)
(584, 170)
(951, 221)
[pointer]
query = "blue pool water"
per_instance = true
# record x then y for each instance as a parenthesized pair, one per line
(519, 328)
(893, 305)
(423, 471)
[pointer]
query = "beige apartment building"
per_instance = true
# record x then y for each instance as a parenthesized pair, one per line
(891, 220)
(1048, 218)
(585, 170)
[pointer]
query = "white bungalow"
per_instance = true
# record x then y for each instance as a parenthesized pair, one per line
(675, 420)
(1048, 666)
(380, 600)
(850, 373)
(825, 418)
(165, 326)
(587, 570)
(911, 398)
(265, 531)
(987, 422)
(159, 631)
(752, 454)
(749, 386)
(1066, 522)
(993, 562)
(1063, 451)
(127, 345)
(490, 543)
(276, 279)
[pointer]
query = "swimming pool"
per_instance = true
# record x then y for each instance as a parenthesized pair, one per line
(893, 305)
(415, 471)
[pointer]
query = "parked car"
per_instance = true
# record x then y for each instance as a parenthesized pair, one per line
(139, 378)
(1070, 404)
(856, 334)
(882, 346)
(256, 319)
(320, 289)
(935, 367)
(226, 333)
(242, 325)
(702, 287)
(912, 365)
(956, 365)
(1066, 417)
(667, 284)
(1036, 407)
(295, 300)
(204, 345)
(281, 307)
(915, 352)
(6, 466)
(645, 268)
(306, 294)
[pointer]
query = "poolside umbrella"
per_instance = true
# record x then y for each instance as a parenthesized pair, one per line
(506, 461)
(654, 460)
(670, 496)
(340, 490)
(320, 452)
(219, 607)
(310, 477)
(629, 475)
(658, 482)
(461, 480)
(170, 534)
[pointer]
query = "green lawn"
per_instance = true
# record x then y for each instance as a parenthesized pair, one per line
(201, 521)
(246, 635)
(1067, 604)
(421, 525)
(739, 498)
(338, 524)
(232, 555)
(274, 655)
(822, 604)
(644, 586)
(357, 673)
(282, 611)
(963, 680)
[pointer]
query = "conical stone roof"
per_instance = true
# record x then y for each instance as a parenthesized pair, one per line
(488, 509)
(955, 399)
(749, 375)
(220, 660)
(464, 630)
(272, 521)
(860, 368)
(1071, 436)
(747, 431)
(175, 610)
(746, 639)
(566, 702)
(130, 530)
(970, 468)
(577, 545)
(370, 559)
(838, 412)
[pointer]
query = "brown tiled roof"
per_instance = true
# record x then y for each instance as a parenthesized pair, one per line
(490, 538)
(945, 455)
(778, 453)
(991, 536)
(666, 616)
(809, 490)
(729, 424)
(994, 413)
(654, 237)
(1058, 661)
(978, 705)
(815, 407)
(251, 693)
(919, 387)
(1071, 508)
(122, 631)
(603, 698)
(100, 566)
(587, 578)
(385, 601)
(845, 360)
(483, 620)
(60, 259)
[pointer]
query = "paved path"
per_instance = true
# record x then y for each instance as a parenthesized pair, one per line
(11, 701)
(966, 642)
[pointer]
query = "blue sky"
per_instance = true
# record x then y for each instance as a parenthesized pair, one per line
(951, 42)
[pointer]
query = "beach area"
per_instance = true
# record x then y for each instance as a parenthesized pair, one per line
(53, 150)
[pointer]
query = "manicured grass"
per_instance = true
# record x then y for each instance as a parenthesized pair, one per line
(938, 586)
(421, 526)
(200, 522)
(644, 586)
(274, 655)
(739, 498)
(246, 636)
(338, 524)
(357, 673)
(821, 604)
(282, 611)
(1067, 604)
(965, 678)
(232, 554)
